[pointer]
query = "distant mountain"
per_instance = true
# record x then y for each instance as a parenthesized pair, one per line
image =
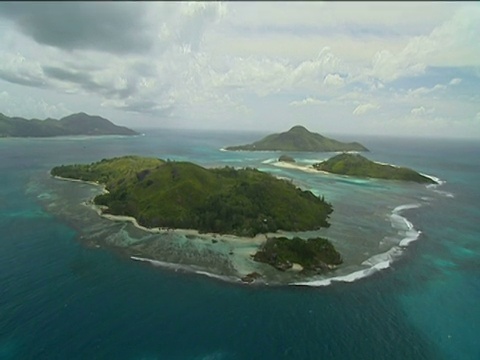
(298, 138)
(75, 124)
(357, 165)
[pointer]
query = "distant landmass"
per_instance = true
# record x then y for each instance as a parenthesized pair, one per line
(75, 124)
(286, 158)
(183, 195)
(357, 165)
(298, 138)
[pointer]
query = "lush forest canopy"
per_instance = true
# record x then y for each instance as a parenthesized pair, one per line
(357, 165)
(173, 194)
(298, 138)
(315, 254)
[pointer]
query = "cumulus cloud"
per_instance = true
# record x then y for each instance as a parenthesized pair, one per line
(420, 111)
(388, 67)
(455, 81)
(266, 76)
(229, 61)
(307, 101)
(333, 80)
(26, 106)
(15, 68)
(196, 17)
(421, 91)
(364, 108)
(453, 43)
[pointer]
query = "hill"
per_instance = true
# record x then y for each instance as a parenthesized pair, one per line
(316, 254)
(298, 138)
(75, 124)
(357, 165)
(183, 195)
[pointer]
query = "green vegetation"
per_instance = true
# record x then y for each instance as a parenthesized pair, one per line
(299, 139)
(75, 124)
(243, 202)
(357, 165)
(286, 158)
(316, 254)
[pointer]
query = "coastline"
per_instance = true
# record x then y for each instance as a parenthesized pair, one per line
(242, 262)
(310, 169)
(258, 239)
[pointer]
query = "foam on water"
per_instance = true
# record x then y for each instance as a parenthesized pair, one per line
(269, 161)
(406, 227)
(379, 261)
(286, 165)
(186, 268)
(346, 278)
(434, 187)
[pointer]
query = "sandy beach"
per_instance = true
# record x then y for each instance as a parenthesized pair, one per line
(309, 169)
(99, 209)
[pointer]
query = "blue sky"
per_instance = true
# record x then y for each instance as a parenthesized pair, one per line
(392, 68)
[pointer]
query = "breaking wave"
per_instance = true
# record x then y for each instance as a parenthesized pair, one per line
(381, 261)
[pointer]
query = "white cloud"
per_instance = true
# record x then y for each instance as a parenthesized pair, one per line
(27, 105)
(15, 68)
(307, 101)
(455, 81)
(364, 108)
(453, 43)
(231, 62)
(420, 111)
(265, 76)
(421, 91)
(333, 80)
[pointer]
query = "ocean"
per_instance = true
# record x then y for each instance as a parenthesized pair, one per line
(409, 287)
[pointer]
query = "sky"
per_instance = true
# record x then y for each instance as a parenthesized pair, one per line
(380, 68)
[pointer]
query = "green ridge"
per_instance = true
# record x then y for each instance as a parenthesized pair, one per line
(75, 124)
(298, 138)
(357, 165)
(183, 195)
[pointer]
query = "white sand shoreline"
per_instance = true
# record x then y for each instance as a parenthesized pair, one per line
(257, 240)
(308, 169)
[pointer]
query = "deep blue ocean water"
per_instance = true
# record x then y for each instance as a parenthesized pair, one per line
(60, 299)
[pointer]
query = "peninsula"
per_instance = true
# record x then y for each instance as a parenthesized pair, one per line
(75, 124)
(357, 165)
(298, 138)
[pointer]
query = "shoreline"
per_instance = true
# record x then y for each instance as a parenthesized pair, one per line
(310, 169)
(367, 268)
(258, 239)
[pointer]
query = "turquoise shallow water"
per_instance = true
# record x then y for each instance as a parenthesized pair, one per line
(62, 299)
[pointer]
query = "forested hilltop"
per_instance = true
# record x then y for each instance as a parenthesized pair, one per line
(357, 165)
(298, 138)
(75, 124)
(183, 195)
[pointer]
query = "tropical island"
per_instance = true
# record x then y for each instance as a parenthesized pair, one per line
(311, 255)
(242, 202)
(298, 138)
(360, 166)
(75, 124)
(286, 158)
